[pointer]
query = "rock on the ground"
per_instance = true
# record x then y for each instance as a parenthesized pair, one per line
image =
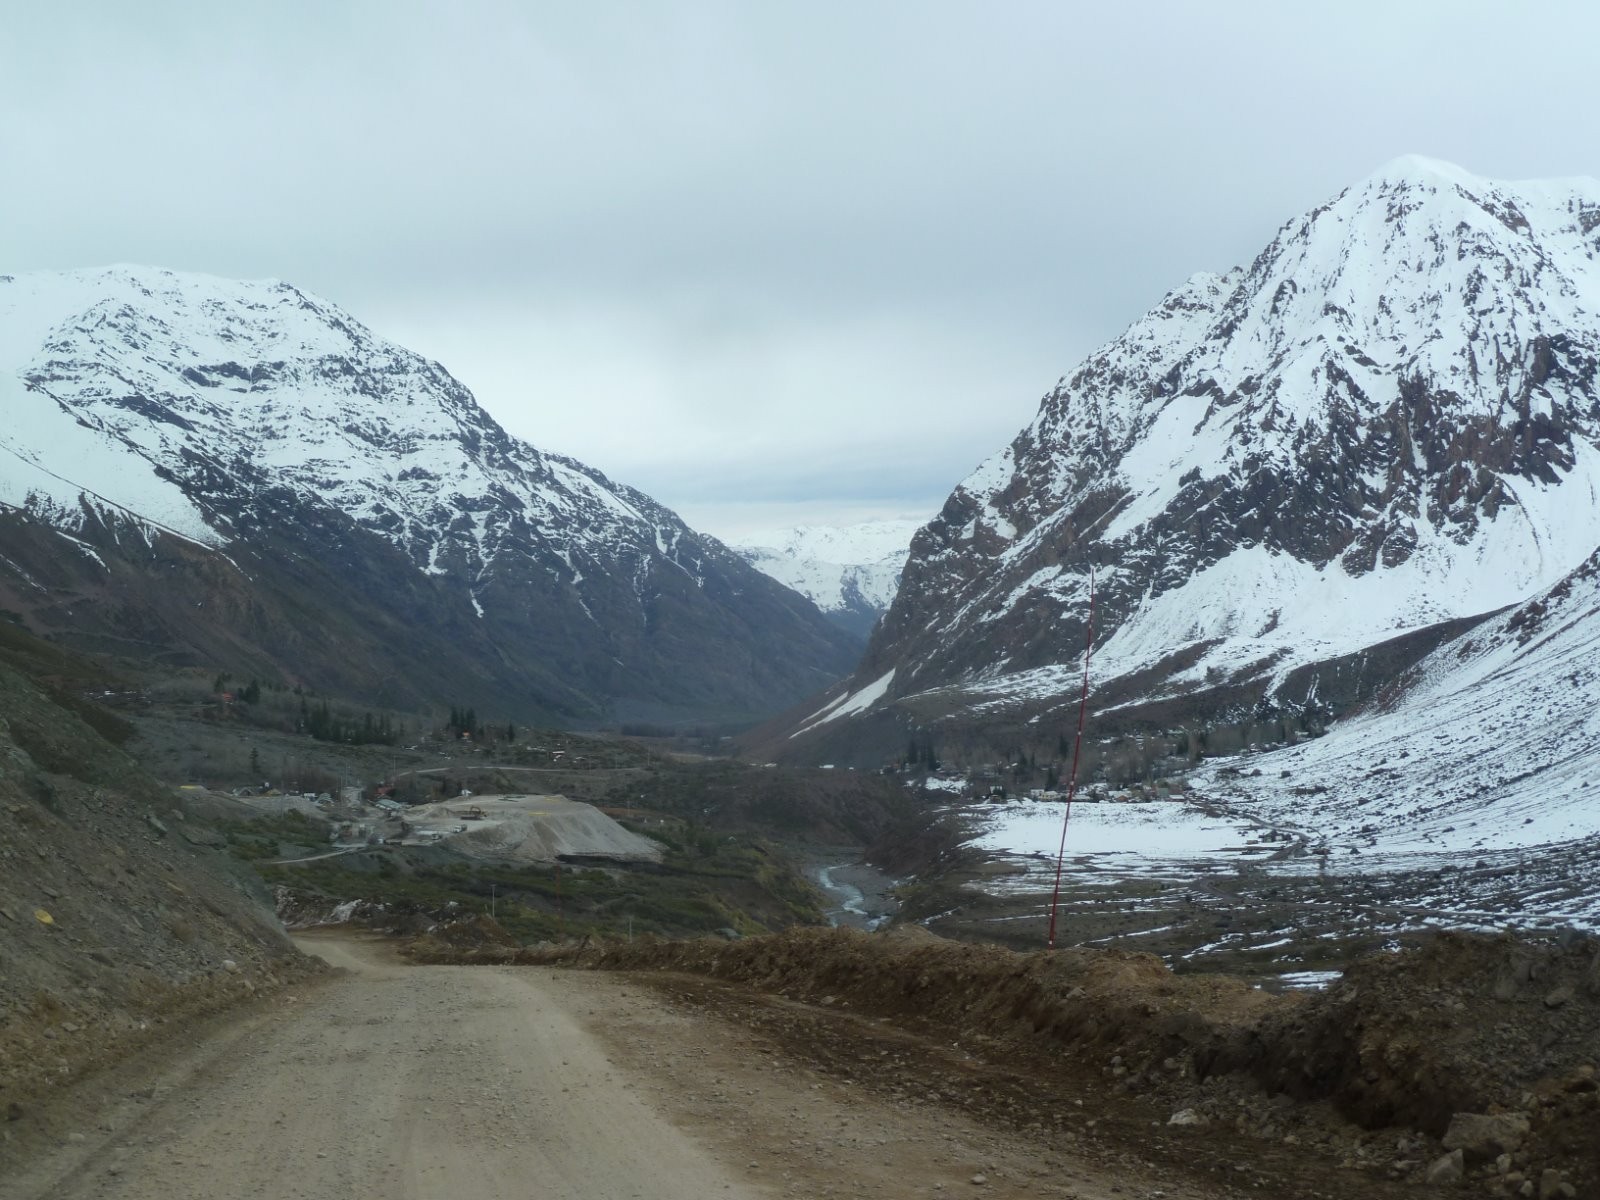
(1447, 1168)
(1482, 1137)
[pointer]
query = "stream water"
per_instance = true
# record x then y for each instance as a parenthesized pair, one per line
(859, 895)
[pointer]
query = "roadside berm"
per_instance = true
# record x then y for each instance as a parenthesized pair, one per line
(1468, 1062)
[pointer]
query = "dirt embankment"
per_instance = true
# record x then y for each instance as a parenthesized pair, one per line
(1372, 1071)
(120, 916)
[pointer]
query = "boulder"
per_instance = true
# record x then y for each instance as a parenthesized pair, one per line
(1447, 1168)
(1483, 1138)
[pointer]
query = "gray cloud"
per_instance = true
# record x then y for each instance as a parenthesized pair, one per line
(818, 251)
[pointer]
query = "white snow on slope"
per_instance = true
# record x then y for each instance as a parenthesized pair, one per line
(849, 704)
(1494, 745)
(116, 372)
(40, 442)
(834, 565)
(1485, 294)
(1271, 607)
(1161, 839)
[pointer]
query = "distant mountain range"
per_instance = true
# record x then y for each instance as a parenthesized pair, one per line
(241, 476)
(1292, 480)
(850, 572)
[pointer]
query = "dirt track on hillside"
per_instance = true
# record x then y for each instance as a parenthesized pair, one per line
(391, 1080)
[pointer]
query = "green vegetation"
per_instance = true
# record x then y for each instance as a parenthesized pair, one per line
(322, 723)
(735, 836)
(704, 885)
(280, 836)
(791, 803)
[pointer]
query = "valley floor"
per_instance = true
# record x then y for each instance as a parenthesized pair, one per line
(1212, 886)
(391, 1080)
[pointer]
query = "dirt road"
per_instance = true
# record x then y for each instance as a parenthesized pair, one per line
(399, 1082)
(471, 1083)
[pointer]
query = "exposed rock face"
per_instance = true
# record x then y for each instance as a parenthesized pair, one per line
(1390, 419)
(241, 475)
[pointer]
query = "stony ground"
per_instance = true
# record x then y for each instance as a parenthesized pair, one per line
(486, 1081)
(1364, 1084)
(120, 915)
(1261, 919)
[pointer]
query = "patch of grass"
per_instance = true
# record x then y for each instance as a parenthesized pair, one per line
(280, 835)
(741, 885)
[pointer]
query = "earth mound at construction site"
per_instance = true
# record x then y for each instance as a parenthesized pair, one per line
(529, 829)
(1479, 1044)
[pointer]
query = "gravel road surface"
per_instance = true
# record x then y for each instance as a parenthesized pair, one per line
(393, 1081)
(399, 1082)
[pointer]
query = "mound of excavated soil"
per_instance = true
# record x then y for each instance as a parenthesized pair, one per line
(532, 829)
(1464, 1023)
(1405, 1041)
(475, 933)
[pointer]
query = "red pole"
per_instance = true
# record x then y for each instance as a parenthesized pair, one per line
(561, 907)
(1072, 780)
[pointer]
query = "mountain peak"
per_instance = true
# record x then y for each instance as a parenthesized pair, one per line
(1420, 169)
(255, 419)
(850, 572)
(1388, 421)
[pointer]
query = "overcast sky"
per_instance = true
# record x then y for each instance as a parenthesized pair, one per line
(767, 261)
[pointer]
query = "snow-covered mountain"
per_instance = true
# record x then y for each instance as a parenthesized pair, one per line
(270, 441)
(850, 572)
(1387, 423)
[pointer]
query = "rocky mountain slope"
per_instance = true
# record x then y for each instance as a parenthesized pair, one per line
(1491, 744)
(850, 572)
(1385, 426)
(243, 476)
(121, 916)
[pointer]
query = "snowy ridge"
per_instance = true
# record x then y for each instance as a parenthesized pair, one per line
(351, 518)
(838, 568)
(102, 366)
(1388, 420)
